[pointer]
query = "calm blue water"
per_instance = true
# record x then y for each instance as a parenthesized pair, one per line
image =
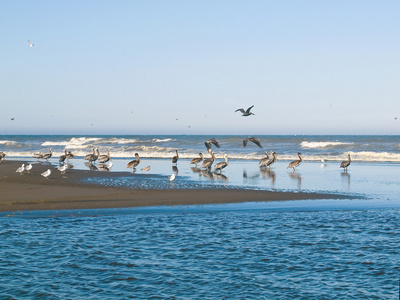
(310, 249)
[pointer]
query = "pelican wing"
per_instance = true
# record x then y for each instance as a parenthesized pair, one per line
(248, 110)
(241, 110)
(255, 141)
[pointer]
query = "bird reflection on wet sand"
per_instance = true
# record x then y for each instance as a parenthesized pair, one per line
(268, 174)
(296, 176)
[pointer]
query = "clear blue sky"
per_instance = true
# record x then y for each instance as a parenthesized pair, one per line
(134, 67)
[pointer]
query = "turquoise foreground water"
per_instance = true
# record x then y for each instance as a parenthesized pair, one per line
(309, 249)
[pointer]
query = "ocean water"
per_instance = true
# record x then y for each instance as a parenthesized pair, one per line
(309, 249)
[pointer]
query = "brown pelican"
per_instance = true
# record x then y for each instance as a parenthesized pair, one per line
(263, 161)
(223, 164)
(87, 156)
(69, 155)
(63, 157)
(94, 157)
(2, 154)
(104, 157)
(134, 162)
(245, 113)
(46, 174)
(175, 158)
(47, 155)
(1, 160)
(295, 163)
(346, 163)
(251, 139)
(211, 141)
(38, 155)
(197, 159)
(272, 160)
(207, 163)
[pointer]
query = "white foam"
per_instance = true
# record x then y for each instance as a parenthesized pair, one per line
(162, 140)
(8, 143)
(312, 145)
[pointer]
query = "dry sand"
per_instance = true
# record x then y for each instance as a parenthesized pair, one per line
(30, 191)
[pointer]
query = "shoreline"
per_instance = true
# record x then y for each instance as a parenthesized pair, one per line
(32, 192)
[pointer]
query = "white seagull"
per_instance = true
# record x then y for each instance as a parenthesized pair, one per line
(20, 169)
(28, 167)
(172, 177)
(30, 44)
(46, 174)
(62, 168)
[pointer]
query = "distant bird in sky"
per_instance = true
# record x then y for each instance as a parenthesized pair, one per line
(46, 174)
(395, 118)
(251, 139)
(172, 177)
(245, 113)
(211, 141)
(30, 44)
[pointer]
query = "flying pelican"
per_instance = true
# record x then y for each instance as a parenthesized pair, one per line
(146, 169)
(48, 155)
(263, 161)
(30, 44)
(28, 167)
(251, 139)
(20, 169)
(207, 163)
(223, 164)
(46, 174)
(104, 157)
(247, 112)
(346, 163)
(172, 177)
(87, 156)
(197, 159)
(272, 160)
(63, 157)
(133, 163)
(295, 163)
(211, 141)
(175, 158)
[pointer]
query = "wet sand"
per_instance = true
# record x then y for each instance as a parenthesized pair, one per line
(30, 191)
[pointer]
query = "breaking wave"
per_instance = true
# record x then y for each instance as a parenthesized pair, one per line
(313, 145)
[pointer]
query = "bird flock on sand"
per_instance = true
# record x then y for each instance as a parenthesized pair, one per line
(105, 162)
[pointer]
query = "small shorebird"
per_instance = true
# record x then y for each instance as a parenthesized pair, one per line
(209, 143)
(146, 169)
(20, 169)
(133, 163)
(223, 164)
(46, 173)
(346, 163)
(295, 163)
(48, 155)
(175, 158)
(246, 112)
(172, 177)
(251, 139)
(207, 163)
(197, 159)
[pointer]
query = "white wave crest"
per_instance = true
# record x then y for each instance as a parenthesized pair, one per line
(76, 143)
(119, 141)
(8, 143)
(161, 140)
(311, 145)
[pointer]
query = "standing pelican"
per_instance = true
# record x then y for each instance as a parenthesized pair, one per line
(175, 158)
(272, 160)
(251, 139)
(94, 157)
(20, 169)
(295, 163)
(245, 113)
(263, 161)
(104, 157)
(46, 174)
(223, 164)
(197, 159)
(48, 155)
(87, 156)
(211, 141)
(207, 163)
(134, 162)
(38, 155)
(63, 157)
(69, 155)
(346, 163)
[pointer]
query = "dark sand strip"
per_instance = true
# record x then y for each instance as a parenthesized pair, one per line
(30, 191)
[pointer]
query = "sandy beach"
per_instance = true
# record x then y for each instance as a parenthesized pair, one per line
(30, 191)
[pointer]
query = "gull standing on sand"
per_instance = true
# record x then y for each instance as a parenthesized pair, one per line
(209, 143)
(134, 162)
(197, 159)
(251, 139)
(175, 158)
(46, 174)
(28, 167)
(223, 164)
(62, 168)
(346, 163)
(295, 163)
(172, 177)
(245, 113)
(20, 169)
